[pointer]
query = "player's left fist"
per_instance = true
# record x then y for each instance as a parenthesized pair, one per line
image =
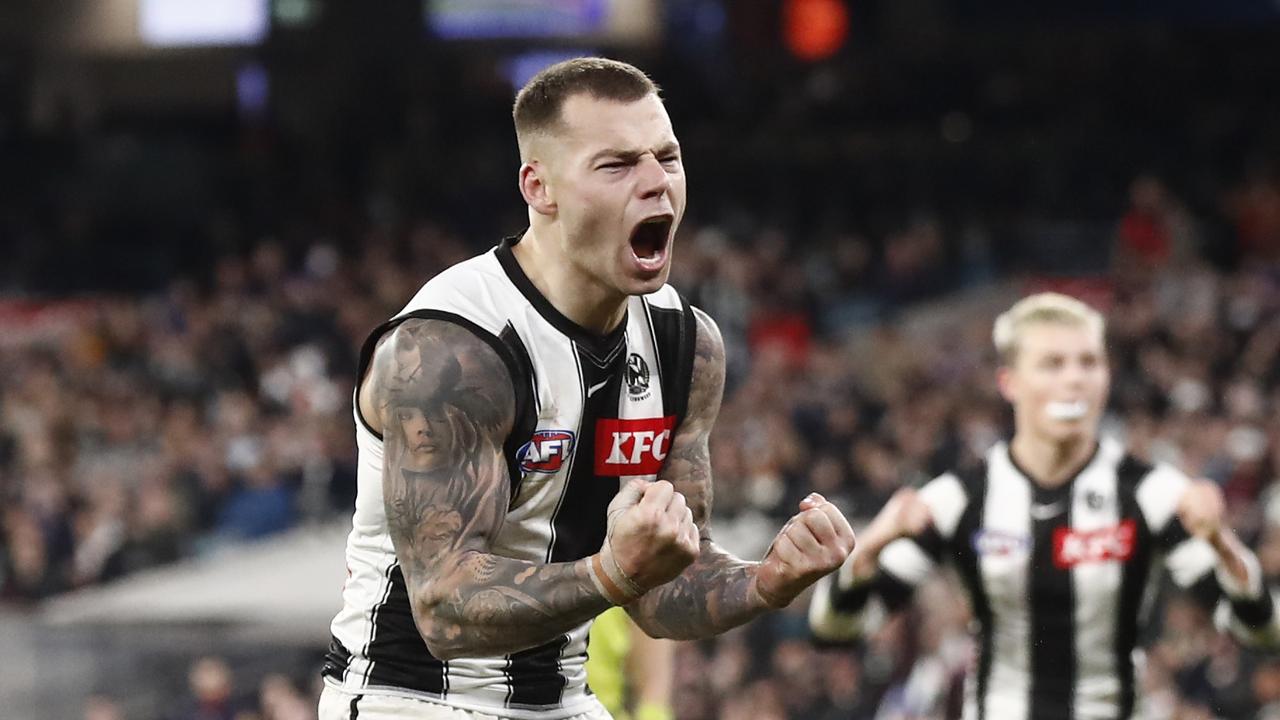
(1201, 509)
(813, 543)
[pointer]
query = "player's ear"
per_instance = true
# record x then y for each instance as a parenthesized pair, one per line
(1006, 381)
(533, 186)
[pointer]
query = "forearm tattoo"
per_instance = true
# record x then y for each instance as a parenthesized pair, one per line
(446, 403)
(714, 593)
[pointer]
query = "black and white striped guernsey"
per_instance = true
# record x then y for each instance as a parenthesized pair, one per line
(1058, 581)
(592, 412)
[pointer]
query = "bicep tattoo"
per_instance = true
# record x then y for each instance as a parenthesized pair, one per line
(446, 403)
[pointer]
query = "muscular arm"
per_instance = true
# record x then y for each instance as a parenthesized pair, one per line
(717, 591)
(444, 402)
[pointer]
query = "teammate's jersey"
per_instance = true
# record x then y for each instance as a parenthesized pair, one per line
(592, 412)
(1058, 581)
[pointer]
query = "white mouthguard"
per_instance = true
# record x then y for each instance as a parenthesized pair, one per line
(1067, 410)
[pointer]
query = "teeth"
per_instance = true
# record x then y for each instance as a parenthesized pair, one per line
(1067, 410)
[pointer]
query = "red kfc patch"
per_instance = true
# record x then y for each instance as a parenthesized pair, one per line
(632, 447)
(1073, 547)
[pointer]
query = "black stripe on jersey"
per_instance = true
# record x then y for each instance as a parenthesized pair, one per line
(579, 524)
(535, 677)
(931, 543)
(1254, 613)
(1051, 595)
(398, 656)
(675, 334)
(373, 622)
(527, 406)
(355, 707)
(520, 353)
(1172, 535)
(336, 660)
(974, 482)
(893, 592)
(1133, 579)
(598, 345)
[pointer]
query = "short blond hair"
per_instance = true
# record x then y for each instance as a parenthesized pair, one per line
(1046, 307)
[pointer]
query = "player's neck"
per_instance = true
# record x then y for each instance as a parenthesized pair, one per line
(580, 298)
(1051, 462)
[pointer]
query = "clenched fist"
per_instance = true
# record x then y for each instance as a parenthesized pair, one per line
(905, 515)
(814, 542)
(651, 538)
(1201, 508)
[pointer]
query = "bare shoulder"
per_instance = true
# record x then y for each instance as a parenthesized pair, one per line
(688, 466)
(707, 386)
(425, 364)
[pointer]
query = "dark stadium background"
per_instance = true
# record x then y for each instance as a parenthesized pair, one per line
(196, 235)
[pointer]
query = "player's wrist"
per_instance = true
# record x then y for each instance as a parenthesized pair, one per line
(611, 580)
(762, 597)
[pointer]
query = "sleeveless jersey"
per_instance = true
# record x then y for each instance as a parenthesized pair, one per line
(591, 413)
(1060, 581)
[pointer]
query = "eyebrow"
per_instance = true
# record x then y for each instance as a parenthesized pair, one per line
(634, 155)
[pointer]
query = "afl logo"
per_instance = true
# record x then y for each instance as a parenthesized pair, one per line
(545, 452)
(637, 377)
(999, 543)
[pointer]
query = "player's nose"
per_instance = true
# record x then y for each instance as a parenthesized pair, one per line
(653, 180)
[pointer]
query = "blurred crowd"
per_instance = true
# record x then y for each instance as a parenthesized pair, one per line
(182, 303)
(137, 431)
(214, 692)
(1195, 358)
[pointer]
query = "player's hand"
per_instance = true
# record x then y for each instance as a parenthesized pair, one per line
(813, 543)
(905, 515)
(651, 537)
(1201, 509)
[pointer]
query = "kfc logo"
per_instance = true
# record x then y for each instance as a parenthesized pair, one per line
(632, 447)
(545, 452)
(1073, 547)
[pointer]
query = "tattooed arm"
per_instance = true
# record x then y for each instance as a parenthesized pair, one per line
(444, 402)
(719, 591)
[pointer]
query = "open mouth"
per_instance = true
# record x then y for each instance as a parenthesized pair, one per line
(649, 239)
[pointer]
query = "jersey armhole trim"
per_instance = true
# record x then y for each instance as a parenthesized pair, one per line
(684, 371)
(518, 384)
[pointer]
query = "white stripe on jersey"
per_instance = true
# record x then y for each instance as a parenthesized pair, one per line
(908, 563)
(1158, 495)
(1006, 525)
(946, 499)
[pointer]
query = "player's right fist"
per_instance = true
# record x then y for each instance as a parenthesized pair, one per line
(651, 538)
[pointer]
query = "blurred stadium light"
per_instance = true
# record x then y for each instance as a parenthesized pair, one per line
(524, 66)
(618, 21)
(179, 23)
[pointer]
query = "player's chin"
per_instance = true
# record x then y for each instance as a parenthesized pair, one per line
(1072, 430)
(645, 282)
